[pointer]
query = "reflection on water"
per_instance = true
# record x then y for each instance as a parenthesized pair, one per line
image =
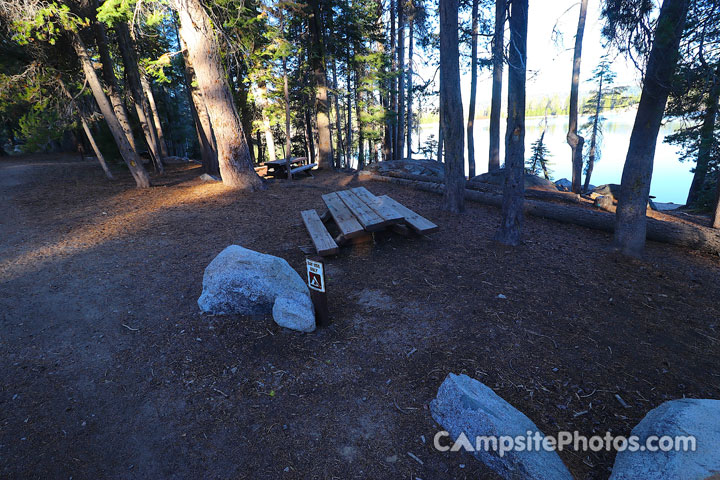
(671, 178)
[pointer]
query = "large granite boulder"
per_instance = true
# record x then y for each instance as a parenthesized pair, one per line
(465, 406)
(242, 281)
(497, 177)
(685, 417)
(413, 167)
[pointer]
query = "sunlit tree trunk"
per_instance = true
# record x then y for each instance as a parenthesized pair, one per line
(142, 106)
(156, 118)
(261, 99)
(128, 153)
(338, 115)
(322, 106)
(236, 168)
(498, 45)
(208, 149)
(288, 143)
(473, 91)
(451, 115)
(393, 84)
(631, 220)
(510, 231)
(574, 140)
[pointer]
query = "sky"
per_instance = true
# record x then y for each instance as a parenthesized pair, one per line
(550, 64)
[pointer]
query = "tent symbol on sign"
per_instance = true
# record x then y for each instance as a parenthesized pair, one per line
(315, 280)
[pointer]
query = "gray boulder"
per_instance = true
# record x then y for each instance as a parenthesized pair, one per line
(245, 282)
(497, 177)
(414, 167)
(464, 405)
(564, 185)
(604, 202)
(608, 190)
(697, 417)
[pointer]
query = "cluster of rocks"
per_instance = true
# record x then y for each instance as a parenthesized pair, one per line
(468, 409)
(412, 167)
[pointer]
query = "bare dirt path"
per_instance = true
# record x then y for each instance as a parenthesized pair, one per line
(107, 370)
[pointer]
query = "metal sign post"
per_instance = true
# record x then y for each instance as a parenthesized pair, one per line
(318, 294)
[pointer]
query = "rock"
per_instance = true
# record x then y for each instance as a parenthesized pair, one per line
(697, 417)
(608, 190)
(497, 177)
(414, 167)
(564, 185)
(604, 202)
(242, 281)
(205, 177)
(664, 207)
(295, 313)
(464, 405)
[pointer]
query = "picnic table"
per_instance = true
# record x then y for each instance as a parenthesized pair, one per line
(278, 167)
(358, 213)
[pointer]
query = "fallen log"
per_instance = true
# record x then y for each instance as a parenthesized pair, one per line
(488, 187)
(674, 233)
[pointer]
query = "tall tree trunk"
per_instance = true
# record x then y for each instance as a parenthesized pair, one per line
(498, 45)
(288, 143)
(473, 91)
(393, 83)
(440, 137)
(593, 137)
(196, 30)
(88, 132)
(322, 106)
(451, 115)
(411, 35)
(156, 118)
(142, 106)
(203, 128)
(348, 99)
(510, 231)
(128, 153)
(632, 205)
(338, 114)
(358, 116)
(574, 140)
(716, 217)
(707, 138)
(261, 98)
(400, 140)
(113, 91)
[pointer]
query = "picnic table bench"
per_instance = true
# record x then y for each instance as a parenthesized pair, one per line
(357, 214)
(297, 165)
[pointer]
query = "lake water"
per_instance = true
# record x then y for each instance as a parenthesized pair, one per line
(671, 178)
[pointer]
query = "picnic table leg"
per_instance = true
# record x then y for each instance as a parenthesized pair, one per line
(326, 217)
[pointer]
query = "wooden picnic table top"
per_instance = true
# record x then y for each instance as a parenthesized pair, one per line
(281, 162)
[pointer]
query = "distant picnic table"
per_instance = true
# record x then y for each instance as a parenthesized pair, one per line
(357, 214)
(278, 168)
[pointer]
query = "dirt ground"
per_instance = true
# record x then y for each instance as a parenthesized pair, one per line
(108, 370)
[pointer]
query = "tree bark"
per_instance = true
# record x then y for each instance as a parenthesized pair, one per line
(236, 168)
(128, 153)
(411, 35)
(451, 115)
(400, 139)
(473, 90)
(498, 46)
(393, 83)
(440, 137)
(156, 117)
(637, 173)
(142, 106)
(574, 140)
(322, 106)
(716, 216)
(113, 91)
(203, 128)
(510, 231)
(338, 115)
(88, 132)
(707, 138)
(261, 98)
(288, 143)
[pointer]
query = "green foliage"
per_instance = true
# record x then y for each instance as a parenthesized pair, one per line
(538, 163)
(112, 12)
(48, 23)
